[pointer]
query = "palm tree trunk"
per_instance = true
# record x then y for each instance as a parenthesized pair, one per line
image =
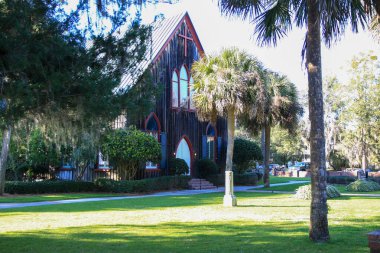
(231, 136)
(266, 157)
(229, 197)
(318, 230)
(4, 156)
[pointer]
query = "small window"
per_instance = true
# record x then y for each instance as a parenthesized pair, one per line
(152, 128)
(175, 89)
(184, 88)
(211, 136)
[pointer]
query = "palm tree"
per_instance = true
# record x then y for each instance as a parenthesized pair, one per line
(224, 85)
(281, 108)
(273, 19)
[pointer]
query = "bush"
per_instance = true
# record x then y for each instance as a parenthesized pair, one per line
(245, 151)
(18, 187)
(239, 179)
(205, 168)
(178, 166)
(363, 186)
(144, 185)
(304, 192)
(129, 149)
(340, 180)
(337, 160)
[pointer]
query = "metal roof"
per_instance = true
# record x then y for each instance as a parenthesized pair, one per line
(162, 32)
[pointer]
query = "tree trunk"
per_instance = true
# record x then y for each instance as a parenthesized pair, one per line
(364, 151)
(4, 156)
(263, 143)
(230, 140)
(266, 157)
(229, 197)
(318, 230)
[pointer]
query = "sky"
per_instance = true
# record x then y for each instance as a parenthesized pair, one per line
(217, 31)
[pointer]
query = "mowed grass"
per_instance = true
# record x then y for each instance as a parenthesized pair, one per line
(262, 222)
(277, 180)
(10, 198)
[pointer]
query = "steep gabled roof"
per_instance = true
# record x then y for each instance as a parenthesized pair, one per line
(162, 33)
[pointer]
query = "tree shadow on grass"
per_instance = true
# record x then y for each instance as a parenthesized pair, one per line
(218, 237)
(151, 203)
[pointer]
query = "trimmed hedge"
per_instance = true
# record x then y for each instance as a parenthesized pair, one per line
(239, 179)
(363, 186)
(144, 185)
(340, 180)
(18, 187)
(304, 192)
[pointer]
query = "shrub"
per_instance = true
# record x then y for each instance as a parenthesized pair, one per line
(18, 187)
(129, 149)
(340, 180)
(363, 186)
(206, 167)
(245, 151)
(337, 160)
(239, 179)
(144, 185)
(178, 166)
(304, 192)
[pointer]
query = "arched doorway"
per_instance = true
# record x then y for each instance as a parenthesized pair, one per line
(184, 151)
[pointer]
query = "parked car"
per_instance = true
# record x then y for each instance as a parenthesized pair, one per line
(302, 166)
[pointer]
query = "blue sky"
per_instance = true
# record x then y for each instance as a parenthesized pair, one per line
(216, 31)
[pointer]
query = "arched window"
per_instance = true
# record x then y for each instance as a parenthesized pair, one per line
(153, 128)
(184, 88)
(175, 89)
(191, 88)
(211, 137)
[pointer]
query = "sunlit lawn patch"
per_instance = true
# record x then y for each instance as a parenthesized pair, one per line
(261, 223)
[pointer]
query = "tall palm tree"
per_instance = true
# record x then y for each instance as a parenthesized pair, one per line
(273, 19)
(281, 108)
(225, 85)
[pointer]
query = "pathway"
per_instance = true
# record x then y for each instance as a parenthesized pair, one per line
(160, 194)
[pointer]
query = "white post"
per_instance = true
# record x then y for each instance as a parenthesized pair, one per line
(229, 197)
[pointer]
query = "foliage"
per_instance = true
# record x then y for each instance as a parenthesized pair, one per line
(285, 146)
(178, 166)
(363, 186)
(245, 152)
(206, 167)
(361, 127)
(337, 160)
(304, 192)
(129, 150)
(144, 185)
(239, 179)
(17, 187)
(340, 179)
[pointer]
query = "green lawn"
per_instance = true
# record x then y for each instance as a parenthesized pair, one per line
(277, 180)
(50, 197)
(261, 223)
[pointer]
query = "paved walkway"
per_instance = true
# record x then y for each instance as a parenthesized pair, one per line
(162, 194)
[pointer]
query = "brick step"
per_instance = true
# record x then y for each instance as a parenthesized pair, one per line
(197, 184)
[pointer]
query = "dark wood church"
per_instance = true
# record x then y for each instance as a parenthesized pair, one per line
(175, 46)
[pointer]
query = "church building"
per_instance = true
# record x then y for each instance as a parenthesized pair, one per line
(174, 122)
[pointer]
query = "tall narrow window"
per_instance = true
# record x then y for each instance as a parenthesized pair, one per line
(210, 132)
(184, 88)
(175, 89)
(191, 88)
(152, 127)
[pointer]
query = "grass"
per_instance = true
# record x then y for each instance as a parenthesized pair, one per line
(51, 197)
(262, 222)
(277, 180)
